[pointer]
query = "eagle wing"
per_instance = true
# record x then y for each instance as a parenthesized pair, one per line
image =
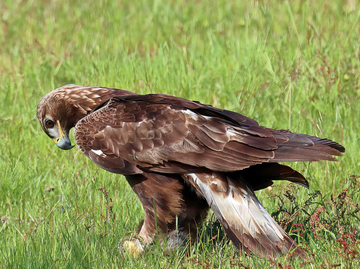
(167, 134)
(245, 220)
(164, 134)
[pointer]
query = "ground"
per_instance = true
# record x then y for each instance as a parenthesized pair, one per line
(287, 64)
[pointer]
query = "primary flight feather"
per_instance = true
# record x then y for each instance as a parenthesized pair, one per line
(184, 157)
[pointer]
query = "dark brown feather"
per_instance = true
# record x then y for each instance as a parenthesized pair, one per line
(170, 198)
(262, 175)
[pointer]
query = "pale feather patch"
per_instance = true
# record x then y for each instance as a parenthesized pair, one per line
(196, 116)
(243, 212)
(98, 152)
(54, 132)
(193, 115)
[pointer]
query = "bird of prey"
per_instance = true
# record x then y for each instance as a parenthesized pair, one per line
(182, 158)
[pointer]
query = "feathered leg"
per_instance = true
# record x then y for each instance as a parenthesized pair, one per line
(178, 209)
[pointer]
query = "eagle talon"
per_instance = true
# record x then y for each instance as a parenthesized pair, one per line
(132, 247)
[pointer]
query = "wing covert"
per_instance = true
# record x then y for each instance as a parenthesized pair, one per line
(150, 134)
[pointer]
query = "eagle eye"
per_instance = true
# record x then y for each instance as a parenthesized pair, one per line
(49, 123)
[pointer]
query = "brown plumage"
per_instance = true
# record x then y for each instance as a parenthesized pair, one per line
(183, 157)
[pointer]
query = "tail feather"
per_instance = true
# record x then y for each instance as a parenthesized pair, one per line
(262, 175)
(294, 147)
(302, 154)
(246, 222)
(327, 142)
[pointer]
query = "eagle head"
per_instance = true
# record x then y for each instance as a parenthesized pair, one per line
(60, 110)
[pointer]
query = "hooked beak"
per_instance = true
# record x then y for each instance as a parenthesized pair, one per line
(63, 141)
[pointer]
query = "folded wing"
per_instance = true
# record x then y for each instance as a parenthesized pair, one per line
(155, 131)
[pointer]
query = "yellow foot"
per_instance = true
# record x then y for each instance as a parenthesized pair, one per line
(133, 247)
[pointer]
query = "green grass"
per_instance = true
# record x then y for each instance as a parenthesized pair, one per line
(287, 64)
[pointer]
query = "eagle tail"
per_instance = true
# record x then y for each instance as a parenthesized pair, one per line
(249, 226)
(295, 147)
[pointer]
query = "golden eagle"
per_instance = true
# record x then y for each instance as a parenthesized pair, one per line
(182, 157)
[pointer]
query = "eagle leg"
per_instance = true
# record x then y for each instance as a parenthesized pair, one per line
(174, 214)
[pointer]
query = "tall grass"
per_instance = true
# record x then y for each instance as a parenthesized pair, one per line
(287, 64)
